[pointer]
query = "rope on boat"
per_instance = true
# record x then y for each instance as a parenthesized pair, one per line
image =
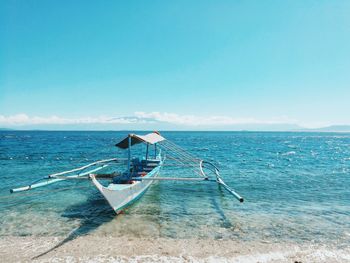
(182, 157)
(195, 165)
(180, 151)
(180, 162)
(186, 159)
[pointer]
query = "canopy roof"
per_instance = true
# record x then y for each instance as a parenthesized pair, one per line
(150, 138)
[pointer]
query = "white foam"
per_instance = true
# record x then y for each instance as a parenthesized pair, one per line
(288, 153)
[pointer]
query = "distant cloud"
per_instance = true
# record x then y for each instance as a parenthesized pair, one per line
(139, 118)
(193, 120)
(24, 119)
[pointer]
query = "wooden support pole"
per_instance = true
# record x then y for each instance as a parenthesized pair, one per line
(129, 152)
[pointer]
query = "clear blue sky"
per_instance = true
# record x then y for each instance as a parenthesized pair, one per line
(242, 59)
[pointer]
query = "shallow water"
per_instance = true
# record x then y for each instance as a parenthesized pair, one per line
(295, 185)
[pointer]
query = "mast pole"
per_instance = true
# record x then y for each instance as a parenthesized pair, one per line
(155, 150)
(147, 151)
(129, 152)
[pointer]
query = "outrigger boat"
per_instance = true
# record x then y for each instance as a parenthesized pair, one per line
(125, 187)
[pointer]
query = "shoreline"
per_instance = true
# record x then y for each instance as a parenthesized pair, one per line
(91, 248)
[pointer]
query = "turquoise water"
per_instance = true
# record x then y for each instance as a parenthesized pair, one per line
(295, 185)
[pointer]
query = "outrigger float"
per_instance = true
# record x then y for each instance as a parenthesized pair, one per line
(125, 187)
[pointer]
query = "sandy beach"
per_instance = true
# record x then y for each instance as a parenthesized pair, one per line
(112, 249)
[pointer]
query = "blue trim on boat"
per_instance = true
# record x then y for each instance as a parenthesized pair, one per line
(155, 170)
(132, 201)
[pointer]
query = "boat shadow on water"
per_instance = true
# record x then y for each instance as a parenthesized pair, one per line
(95, 212)
(224, 220)
(92, 214)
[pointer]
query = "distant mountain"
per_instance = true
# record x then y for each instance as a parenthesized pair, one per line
(5, 129)
(333, 128)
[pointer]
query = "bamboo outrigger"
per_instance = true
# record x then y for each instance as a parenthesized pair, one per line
(127, 186)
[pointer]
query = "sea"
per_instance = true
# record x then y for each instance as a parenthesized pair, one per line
(296, 187)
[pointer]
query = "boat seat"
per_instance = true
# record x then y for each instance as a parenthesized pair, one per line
(149, 161)
(152, 164)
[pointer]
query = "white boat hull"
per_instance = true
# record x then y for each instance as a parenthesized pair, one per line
(120, 196)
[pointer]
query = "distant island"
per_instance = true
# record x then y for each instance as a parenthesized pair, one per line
(332, 128)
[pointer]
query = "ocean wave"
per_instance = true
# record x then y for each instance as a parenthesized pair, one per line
(288, 153)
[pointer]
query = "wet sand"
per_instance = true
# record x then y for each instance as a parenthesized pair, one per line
(92, 248)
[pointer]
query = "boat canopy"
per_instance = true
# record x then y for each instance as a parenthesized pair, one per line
(150, 138)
